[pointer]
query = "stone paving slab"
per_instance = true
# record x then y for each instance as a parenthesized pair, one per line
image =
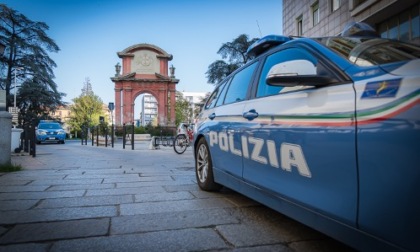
(56, 230)
(171, 206)
(59, 214)
(172, 221)
(11, 205)
(86, 201)
(176, 240)
(27, 247)
(41, 195)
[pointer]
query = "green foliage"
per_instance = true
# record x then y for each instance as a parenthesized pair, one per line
(140, 130)
(235, 53)
(85, 111)
(182, 109)
(34, 98)
(10, 167)
(149, 129)
(26, 58)
(200, 104)
(160, 131)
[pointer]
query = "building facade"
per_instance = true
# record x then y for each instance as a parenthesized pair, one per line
(196, 102)
(149, 110)
(149, 107)
(395, 19)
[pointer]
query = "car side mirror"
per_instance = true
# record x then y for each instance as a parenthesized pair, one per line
(296, 73)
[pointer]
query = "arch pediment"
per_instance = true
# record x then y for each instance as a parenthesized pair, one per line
(129, 51)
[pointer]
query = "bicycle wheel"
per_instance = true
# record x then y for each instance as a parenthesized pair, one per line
(180, 143)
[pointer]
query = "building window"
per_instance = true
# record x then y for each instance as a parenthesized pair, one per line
(299, 26)
(335, 4)
(404, 27)
(315, 13)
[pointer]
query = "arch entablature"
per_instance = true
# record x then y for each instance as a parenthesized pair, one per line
(144, 70)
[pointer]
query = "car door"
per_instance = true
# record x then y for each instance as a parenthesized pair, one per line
(388, 117)
(225, 119)
(300, 143)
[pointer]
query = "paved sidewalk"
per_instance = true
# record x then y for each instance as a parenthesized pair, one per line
(86, 198)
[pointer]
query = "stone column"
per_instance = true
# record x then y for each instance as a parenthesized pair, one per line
(5, 137)
(172, 94)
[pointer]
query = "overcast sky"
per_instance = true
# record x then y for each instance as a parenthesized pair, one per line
(91, 32)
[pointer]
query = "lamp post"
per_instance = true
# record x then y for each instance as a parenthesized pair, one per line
(111, 108)
(2, 47)
(2, 92)
(14, 100)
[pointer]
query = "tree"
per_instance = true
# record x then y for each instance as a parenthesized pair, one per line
(34, 101)
(85, 111)
(26, 57)
(235, 53)
(182, 109)
(87, 87)
(199, 106)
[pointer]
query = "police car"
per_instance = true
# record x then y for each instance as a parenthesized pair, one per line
(50, 132)
(324, 130)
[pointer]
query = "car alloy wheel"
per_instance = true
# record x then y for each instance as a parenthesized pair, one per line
(204, 167)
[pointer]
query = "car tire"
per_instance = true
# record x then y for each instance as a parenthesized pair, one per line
(204, 167)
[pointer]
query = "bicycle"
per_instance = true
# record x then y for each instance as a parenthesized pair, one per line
(182, 142)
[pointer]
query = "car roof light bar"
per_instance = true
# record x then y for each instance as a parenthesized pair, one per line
(266, 43)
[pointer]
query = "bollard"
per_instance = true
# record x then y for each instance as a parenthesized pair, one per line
(106, 136)
(124, 135)
(5, 137)
(132, 136)
(33, 140)
(97, 135)
(93, 135)
(112, 135)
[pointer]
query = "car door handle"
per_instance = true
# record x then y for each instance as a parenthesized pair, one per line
(212, 116)
(250, 115)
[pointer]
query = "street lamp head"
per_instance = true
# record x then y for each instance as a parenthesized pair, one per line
(111, 106)
(2, 47)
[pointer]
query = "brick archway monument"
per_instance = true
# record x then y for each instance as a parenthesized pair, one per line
(144, 70)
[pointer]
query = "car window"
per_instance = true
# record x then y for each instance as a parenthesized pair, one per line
(49, 126)
(220, 91)
(285, 55)
(211, 101)
(239, 85)
(223, 88)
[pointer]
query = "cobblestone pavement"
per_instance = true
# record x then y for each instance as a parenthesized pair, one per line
(86, 198)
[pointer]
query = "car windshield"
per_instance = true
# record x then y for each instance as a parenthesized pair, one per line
(49, 126)
(371, 51)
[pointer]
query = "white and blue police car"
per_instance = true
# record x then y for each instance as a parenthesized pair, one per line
(50, 132)
(325, 131)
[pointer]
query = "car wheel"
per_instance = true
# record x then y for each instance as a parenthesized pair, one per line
(204, 167)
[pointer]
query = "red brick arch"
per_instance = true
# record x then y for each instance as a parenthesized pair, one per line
(144, 70)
